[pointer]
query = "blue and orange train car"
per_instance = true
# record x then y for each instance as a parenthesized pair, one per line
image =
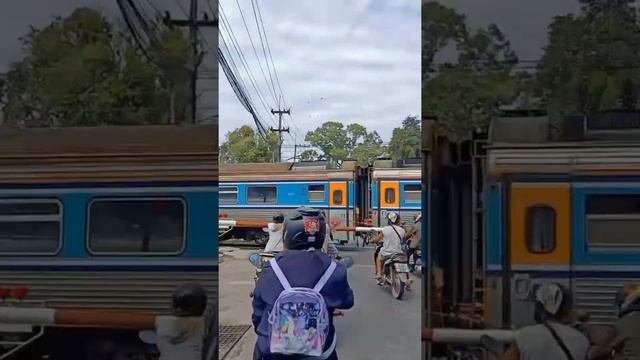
(351, 195)
(108, 218)
(565, 210)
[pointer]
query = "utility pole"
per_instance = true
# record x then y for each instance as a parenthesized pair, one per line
(193, 24)
(295, 150)
(280, 129)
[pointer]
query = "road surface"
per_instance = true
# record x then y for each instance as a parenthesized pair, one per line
(378, 327)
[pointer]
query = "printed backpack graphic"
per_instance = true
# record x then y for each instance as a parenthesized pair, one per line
(299, 319)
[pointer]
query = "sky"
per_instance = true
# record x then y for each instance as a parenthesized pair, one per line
(337, 60)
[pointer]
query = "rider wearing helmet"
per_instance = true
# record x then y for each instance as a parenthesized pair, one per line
(413, 241)
(302, 264)
(553, 337)
(624, 337)
(275, 234)
(391, 237)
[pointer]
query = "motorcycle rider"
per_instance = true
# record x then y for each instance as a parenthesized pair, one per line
(275, 240)
(413, 242)
(553, 337)
(624, 337)
(391, 237)
(303, 264)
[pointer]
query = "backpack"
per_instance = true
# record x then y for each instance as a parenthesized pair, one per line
(299, 320)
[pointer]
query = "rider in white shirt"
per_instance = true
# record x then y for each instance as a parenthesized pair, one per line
(275, 234)
(391, 237)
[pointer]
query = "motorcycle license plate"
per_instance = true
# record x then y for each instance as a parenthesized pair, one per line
(402, 267)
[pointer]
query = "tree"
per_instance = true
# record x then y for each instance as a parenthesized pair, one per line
(244, 145)
(465, 96)
(339, 143)
(406, 140)
(80, 71)
(440, 26)
(590, 62)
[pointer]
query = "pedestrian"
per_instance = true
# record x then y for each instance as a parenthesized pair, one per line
(300, 265)
(553, 337)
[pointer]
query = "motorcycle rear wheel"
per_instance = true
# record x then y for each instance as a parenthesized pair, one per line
(397, 286)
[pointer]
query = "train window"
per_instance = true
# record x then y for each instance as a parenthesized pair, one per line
(316, 192)
(613, 221)
(30, 226)
(390, 195)
(413, 193)
(337, 197)
(262, 195)
(228, 195)
(136, 226)
(541, 229)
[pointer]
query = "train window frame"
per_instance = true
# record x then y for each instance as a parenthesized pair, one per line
(419, 191)
(323, 192)
(387, 191)
(611, 214)
(59, 217)
(275, 201)
(231, 189)
(529, 228)
(185, 225)
(341, 197)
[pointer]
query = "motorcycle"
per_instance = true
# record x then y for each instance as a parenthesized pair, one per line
(395, 273)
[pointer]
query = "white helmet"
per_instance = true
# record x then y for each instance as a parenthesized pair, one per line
(552, 298)
(393, 217)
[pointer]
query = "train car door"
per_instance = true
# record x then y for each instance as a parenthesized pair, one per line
(538, 246)
(389, 198)
(338, 207)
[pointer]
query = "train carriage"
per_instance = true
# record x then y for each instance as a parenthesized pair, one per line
(351, 195)
(396, 189)
(528, 203)
(259, 191)
(108, 218)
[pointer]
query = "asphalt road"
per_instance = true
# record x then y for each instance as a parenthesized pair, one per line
(378, 327)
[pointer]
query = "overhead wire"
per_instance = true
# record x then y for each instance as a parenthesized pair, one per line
(243, 61)
(254, 48)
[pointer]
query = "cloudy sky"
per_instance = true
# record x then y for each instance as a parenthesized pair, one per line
(337, 60)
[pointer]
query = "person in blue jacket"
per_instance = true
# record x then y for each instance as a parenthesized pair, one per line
(303, 264)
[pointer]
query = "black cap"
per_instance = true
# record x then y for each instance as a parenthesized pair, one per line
(189, 300)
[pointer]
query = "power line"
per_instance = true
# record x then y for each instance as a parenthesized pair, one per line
(270, 56)
(254, 48)
(243, 61)
(264, 52)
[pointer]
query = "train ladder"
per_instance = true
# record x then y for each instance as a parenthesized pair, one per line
(478, 164)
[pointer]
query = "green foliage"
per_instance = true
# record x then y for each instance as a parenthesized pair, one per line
(244, 145)
(590, 62)
(466, 95)
(440, 26)
(80, 71)
(406, 140)
(339, 143)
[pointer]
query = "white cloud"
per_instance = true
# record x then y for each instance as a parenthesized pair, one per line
(340, 60)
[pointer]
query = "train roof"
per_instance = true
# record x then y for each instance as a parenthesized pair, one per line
(282, 172)
(528, 143)
(406, 173)
(107, 154)
(587, 158)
